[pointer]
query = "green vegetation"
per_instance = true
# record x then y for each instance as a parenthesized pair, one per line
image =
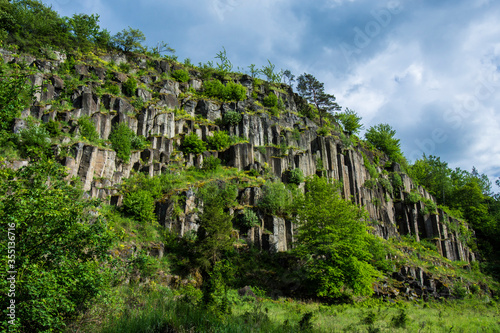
(129, 87)
(332, 234)
(229, 92)
(270, 100)
(87, 129)
(57, 252)
(172, 253)
(124, 140)
(350, 121)
(219, 141)
(180, 75)
(314, 92)
(382, 136)
(232, 118)
(192, 144)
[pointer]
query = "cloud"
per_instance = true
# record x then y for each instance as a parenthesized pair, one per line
(424, 67)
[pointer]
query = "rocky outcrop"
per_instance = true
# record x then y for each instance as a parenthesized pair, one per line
(163, 111)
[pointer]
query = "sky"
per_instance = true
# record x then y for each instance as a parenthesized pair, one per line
(430, 69)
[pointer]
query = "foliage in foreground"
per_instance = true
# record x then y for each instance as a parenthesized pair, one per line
(332, 239)
(159, 313)
(59, 241)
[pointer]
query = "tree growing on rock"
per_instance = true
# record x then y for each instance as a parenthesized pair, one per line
(333, 241)
(314, 92)
(129, 40)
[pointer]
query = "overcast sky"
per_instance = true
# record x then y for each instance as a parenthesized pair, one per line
(430, 69)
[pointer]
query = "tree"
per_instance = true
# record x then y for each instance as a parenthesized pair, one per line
(15, 95)
(314, 92)
(161, 47)
(382, 136)
(434, 175)
(84, 29)
(288, 77)
(215, 225)
(129, 40)
(333, 240)
(225, 66)
(56, 240)
(268, 71)
(350, 121)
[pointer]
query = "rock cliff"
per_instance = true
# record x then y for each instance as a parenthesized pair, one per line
(164, 111)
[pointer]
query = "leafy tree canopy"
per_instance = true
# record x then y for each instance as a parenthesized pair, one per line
(314, 92)
(333, 239)
(59, 238)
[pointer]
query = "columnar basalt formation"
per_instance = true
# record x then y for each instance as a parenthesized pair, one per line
(274, 143)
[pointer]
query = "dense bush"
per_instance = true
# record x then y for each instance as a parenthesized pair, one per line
(140, 204)
(87, 129)
(139, 142)
(295, 176)
(15, 95)
(276, 200)
(180, 75)
(192, 144)
(333, 235)
(270, 100)
(129, 87)
(59, 242)
(53, 127)
(121, 140)
(34, 141)
(232, 118)
(249, 219)
(230, 92)
(219, 140)
(210, 163)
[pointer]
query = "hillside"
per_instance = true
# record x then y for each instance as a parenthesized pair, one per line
(129, 178)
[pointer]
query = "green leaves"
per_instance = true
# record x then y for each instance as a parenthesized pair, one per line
(129, 40)
(230, 92)
(382, 136)
(332, 233)
(314, 92)
(59, 237)
(350, 121)
(193, 145)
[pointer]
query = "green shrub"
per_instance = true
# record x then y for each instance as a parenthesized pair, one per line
(235, 92)
(210, 163)
(270, 100)
(413, 198)
(323, 131)
(232, 118)
(124, 67)
(193, 145)
(53, 127)
(295, 176)
(400, 320)
(139, 142)
(249, 218)
(87, 129)
(396, 180)
(230, 92)
(121, 140)
(370, 183)
(386, 184)
(140, 205)
(219, 140)
(276, 200)
(129, 87)
(112, 88)
(180, 75)
(34, 141)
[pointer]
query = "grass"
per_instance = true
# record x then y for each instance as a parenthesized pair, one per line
(159, 309)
